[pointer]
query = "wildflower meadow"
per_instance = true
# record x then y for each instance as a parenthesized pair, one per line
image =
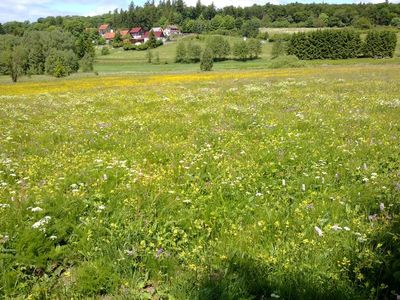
(223, 185)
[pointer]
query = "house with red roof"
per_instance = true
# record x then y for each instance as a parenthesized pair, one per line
(109, 36)
(137, 33)
(124, 32)
(159, 35)
(104, 28)
(171, 30)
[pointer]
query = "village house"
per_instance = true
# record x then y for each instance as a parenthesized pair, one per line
(171, 30)
(109, 36)
(104, 28)
(159, 35)
(124, 32)
(137, 34)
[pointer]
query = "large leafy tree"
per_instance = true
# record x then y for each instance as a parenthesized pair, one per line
(17, 62)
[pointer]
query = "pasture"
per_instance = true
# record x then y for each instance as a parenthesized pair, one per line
(251, 184)
(136, 61)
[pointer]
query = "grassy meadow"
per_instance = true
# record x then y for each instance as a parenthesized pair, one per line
(136, 61)
(223, 185)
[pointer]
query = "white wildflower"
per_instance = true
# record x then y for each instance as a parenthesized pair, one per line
(283, 182)
(53, 237)
(318, 231)
(35, 209)
(273, 295)
(258, 194)
(382, 206)
(4, 239)
(4, 205)
(303, 187)
(346, 228)
(41, 222)
(336, 227)
(101, 207)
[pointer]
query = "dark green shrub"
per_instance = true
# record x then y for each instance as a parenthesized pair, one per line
(117, 44)
(159, 43)
(380, 44)
(395, 22)
(105, 50)
(325, 44)
(278, 49)
(61, 63)
(219, 46)
(180, 53)
(240, 50)
(86, 63)
(207, 60)
(128, 46)
(152, 42)
(193, 53)
(254, 46)
(142, 47)
(362, 23)
(263, 35)
(250, 28)
(101, 41)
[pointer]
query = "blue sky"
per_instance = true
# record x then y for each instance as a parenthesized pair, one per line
(21, 10)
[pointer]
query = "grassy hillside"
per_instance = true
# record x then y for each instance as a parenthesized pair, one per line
(136, 61)
(220, 185)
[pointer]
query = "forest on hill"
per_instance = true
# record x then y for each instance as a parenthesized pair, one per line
(205, 18)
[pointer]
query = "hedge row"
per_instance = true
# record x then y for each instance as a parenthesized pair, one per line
(341, 44)
(380, 44)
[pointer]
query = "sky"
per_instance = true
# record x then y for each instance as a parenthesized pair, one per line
(21, 10)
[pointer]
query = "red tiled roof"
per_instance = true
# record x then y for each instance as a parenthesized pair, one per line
(124, 32)
(157, 34)
(109, 35)
(103, 26)
(135, 30)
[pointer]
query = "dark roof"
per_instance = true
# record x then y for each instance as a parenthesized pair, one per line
(135, 30)
(103, 26)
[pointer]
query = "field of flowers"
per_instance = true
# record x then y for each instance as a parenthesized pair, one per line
(227, 185)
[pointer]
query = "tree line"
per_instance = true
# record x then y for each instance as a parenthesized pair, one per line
(207, 18)
(219, 49)
(57, 53)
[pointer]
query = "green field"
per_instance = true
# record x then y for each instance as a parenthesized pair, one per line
(136, 61)
(247, 184)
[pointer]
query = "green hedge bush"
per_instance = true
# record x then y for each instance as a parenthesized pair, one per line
(380, 44)
(325, 44)
(341, 44)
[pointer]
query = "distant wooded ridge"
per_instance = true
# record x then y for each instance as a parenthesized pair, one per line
(205, 18)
